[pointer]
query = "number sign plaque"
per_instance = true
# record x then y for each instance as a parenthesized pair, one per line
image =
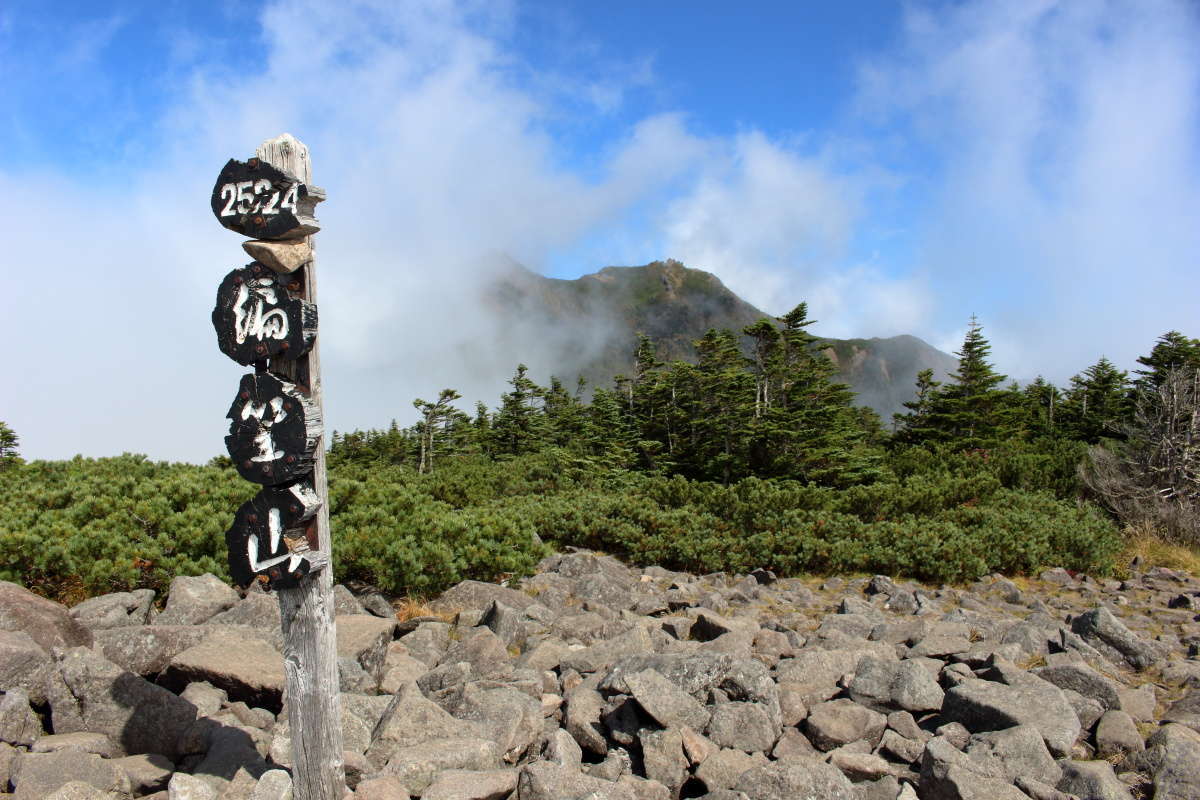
(256, 317)
(268, 539)
(274, 430)
(255, 199)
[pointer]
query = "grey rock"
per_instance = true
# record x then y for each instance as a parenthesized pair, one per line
(1013, 752)
(24, 664)
(207, 698)
(18, 724)
(255, 610)
(663, 759)
(382, 787)
(860, 767)
(635, 641)
(480, 648)
(542, 780)
(78, 790)
(793, 744)
(899, 748)
(985, 705)
(353, 678)
(375, 603)
(478, 596)
(1041, 791)
(48, 623)
(1092, 780)
(461, 784)
(788, 780)
(365, 639)
(1185, 710)
(1082, 678)
(817, 672)
(792, 708)
(36, 775)
(839, 722)
(239, 661)
(410, 719)
(189, 787)
(506, 622)
(725, 767)
(584, 707)
(745, 726)
(275, 784)
(1139, 703)
(669, 705)
(147, 772)
(694, 673)
(417, 765)
(903, 723)
(1117, 735)
(1172, 753)
(146, 650)
(195, 600)
(504, 715)
(948, 774)
(116, 610)
(427, 642)
(344, 602)
(80, 742)
(89, 693)
(1111, 637)
(1087, 710)
(955, 733)
(563, 750)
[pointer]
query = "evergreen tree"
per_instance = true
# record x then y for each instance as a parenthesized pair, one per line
(723, 408)
(972, 411)
(8, 447)
(433, 415)
(914, 426)
(1097, 402)
(1172, 351)
(1043, 403)
(519, 426)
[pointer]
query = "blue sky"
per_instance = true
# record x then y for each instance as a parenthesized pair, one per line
(899, 166)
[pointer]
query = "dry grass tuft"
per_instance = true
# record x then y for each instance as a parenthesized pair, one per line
(415, 606)
(1141, 540)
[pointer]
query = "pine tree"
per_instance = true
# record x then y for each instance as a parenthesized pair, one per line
(439, 412)
(972, 412)
(519, 425)
(914, 427)
(1173, 350)
(8, 447)
(1044, 407)
(1097, 403)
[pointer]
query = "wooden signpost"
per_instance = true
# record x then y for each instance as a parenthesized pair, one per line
(266, 316)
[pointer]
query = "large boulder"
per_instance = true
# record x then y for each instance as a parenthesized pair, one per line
(1092, 780)
(236, 660)
(465, 784)
(1172, 753)
(89, 693)
(816, 672)
(948, 774)
(787, 780)
(839, 722)
(365, 638)
(542, 780)
(411, 719)
(667, 703)
(146, 650)
(18, 724)
(417, 765)
(24, 664)
(116, 610)
(477, 596)
(1014, 752)
(36, 775)
(193, 600)
(1103, 631)
(48, 623)
(989, 706)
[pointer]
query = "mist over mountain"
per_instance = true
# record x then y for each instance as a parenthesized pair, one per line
(588, 327)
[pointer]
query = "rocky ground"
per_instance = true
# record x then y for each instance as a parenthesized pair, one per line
(593, 680)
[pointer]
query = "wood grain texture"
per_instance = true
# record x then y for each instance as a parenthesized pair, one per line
(310, 643)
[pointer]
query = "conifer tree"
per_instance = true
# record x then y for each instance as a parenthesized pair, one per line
(519, 425)
(1172, 351)
(8, 447)
(1097, 403)
(914, 426)
(439, 412)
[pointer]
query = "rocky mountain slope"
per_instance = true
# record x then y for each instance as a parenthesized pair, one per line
(595, 320)
(595, 680)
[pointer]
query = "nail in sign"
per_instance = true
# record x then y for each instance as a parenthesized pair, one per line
(268, 540)
(274, 430)
(256, 199)
(256, 317)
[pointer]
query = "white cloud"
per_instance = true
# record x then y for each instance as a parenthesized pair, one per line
(1066, 135)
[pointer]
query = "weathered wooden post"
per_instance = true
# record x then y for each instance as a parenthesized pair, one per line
(266, 315)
